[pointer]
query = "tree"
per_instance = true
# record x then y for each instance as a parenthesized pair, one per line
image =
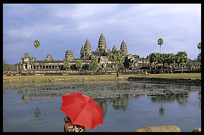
(154, 59)
(170, 59)
(66, 65)
(8, 67)
(93, 64)
(160, 42)
(190, 64)
(117, 57)
(181, 58)
(199, 46)
(36, 45)
(199, 57)
(121, 66)
(78, 64)
(26, 55)
(164, 59)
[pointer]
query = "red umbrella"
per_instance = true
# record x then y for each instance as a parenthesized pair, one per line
(82, 110)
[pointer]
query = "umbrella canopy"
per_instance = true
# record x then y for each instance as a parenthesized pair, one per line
(82, 110)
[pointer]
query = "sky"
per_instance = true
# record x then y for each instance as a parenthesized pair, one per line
(61, 27)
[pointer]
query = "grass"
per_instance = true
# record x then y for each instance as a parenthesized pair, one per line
(175, 75)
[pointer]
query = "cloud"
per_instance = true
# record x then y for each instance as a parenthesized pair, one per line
(66, 26)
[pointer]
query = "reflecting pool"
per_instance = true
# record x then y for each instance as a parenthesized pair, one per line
(126, 105)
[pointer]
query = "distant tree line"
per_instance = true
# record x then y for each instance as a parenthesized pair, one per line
(8, 67)
(160, 59)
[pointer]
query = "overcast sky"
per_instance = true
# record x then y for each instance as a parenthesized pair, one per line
(61, 27)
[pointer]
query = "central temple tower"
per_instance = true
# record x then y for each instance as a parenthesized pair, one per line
(102, 44)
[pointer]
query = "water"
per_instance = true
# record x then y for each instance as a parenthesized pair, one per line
(126, 106)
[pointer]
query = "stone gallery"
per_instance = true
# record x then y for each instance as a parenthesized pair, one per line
(132, 63)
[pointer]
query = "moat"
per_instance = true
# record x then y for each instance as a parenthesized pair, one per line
(126, 105)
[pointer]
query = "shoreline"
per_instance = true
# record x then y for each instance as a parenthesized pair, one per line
(187, 78)
(167, 80)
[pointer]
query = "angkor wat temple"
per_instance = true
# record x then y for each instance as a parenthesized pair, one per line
(132, 64)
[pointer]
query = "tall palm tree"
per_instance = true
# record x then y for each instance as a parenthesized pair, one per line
(160, 42)
(36, 45)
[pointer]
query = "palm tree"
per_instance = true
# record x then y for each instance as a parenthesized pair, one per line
(199, 46)
(154, 59)
(66, 65)
(181, 58)
(170, 59)
(118, 57)
(93, 64)
(36, 45)
(78, 64)
(160, 42)
(199, 57)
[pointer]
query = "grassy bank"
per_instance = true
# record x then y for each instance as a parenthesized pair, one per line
(172, 76)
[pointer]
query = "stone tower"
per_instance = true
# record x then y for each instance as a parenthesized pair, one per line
(49, 57)
(82, 52)
(87, 48)
(114, 48)
(102, 44)
(123, 48)
(68, 55)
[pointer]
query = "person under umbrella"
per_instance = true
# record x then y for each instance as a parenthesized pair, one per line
(82, 111)
(69, 127)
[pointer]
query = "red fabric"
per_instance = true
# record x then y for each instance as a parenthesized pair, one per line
(82, 110)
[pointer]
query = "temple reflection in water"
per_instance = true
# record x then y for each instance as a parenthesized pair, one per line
(104, 93)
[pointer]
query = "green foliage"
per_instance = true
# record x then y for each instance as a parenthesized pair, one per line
(181, 57)
(78, 64)
(160, 41)
(190, 63)
(118, 57)
(154, 57)
(26, 55)
(121, 66)
(93, 64)
(37, 44)
(66, 65)
(171, 58)
(8, 67)
(199, 57)
(199, 45)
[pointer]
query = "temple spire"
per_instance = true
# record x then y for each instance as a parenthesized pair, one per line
(102, 42)
(82, 51)
(123, 48)
(87, 48)
(114, 48)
